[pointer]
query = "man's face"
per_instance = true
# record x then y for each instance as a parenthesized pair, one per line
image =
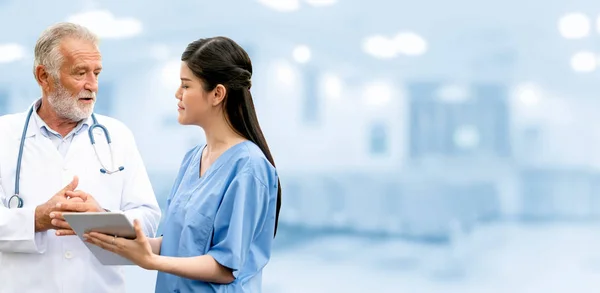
(73, 95)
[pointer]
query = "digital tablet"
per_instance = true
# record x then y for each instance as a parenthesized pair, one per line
(110, 223)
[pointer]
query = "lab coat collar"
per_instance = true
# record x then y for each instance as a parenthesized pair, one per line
(33, 128)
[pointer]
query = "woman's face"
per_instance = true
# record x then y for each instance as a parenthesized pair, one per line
(194, 104)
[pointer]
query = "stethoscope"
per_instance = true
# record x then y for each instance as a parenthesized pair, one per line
(16, 201)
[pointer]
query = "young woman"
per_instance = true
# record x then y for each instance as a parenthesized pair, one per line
(222, 213)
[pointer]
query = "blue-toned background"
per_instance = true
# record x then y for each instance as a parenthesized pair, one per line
(423, 146)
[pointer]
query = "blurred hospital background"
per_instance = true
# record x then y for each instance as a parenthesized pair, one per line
(423, 146)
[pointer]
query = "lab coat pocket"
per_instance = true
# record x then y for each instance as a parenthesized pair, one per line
(196, 235)
(106, 189)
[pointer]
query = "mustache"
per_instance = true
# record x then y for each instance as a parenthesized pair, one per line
(86, 95)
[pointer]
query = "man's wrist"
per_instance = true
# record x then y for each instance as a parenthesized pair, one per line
(37, 214)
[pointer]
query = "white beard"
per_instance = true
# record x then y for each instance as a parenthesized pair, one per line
(69, 107)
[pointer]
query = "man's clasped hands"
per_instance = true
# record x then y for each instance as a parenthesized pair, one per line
(49, 215)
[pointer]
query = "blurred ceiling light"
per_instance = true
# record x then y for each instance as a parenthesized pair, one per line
(406, 43)
(106, 25)
(380, 47)
(574, 25)
(453, 93)
(584, 61)
(321, 3)
(466, 137)
(285, 74)
(410, 44)
(332, 86)
(11, 52)
(301, 54)
(281, 5)
(377, 93)
(528, 94)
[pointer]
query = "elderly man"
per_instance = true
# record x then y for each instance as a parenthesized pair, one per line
(49, 165)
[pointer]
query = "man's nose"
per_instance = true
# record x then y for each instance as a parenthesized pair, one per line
(91, 83)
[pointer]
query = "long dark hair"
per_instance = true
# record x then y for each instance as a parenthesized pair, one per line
(220, 60)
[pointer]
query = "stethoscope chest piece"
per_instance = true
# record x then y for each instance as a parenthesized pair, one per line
(15, 202)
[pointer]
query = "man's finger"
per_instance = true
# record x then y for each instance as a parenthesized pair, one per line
(72, 206)
(71, 186)
(76, 199)
(57, 215)
(64, 232)
(61, 224)
(77, 194)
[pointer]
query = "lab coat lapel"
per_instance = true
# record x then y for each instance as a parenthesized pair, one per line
(33, 134)
(32, 129)
(20, 123)
(33, 139)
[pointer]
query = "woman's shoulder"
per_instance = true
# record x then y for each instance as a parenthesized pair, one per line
(250, 160)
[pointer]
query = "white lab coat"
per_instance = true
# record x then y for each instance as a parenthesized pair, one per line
(42, 262)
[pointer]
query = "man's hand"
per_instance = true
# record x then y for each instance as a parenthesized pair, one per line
(79, 201)
(43, 211)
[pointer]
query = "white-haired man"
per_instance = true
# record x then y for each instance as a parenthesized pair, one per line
(48, 165)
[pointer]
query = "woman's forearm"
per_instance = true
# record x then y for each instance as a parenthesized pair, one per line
(203, 268)
(155, 244)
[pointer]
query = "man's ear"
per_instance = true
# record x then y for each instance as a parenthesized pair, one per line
(43, 78)
(218, 95)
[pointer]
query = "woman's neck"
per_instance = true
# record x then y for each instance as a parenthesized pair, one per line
(221, 137)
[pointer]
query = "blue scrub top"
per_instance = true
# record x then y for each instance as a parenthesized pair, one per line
(229, 214)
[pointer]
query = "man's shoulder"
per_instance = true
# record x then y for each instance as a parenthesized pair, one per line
(7, 118)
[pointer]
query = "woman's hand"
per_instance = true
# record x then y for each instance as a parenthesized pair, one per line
(138, 250)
